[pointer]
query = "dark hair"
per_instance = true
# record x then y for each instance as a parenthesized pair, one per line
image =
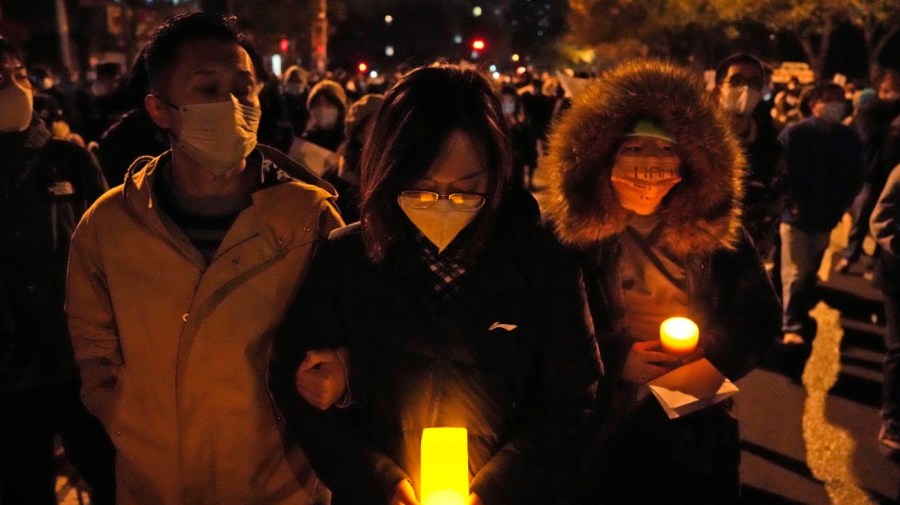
(738, 59)
(162, 51)
(10, 50)
(418, 116)
(816, 93)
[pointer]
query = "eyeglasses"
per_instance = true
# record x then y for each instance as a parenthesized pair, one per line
(461, 201)
(739, 81)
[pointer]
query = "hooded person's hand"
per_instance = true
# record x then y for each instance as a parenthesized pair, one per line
(646, 361)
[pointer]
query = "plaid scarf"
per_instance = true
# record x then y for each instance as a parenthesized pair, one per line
(446, 271)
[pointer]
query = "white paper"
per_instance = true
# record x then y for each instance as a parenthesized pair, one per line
(311, 156)
(690, 388)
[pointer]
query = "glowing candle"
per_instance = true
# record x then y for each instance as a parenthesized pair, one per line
(679, 336)
(445, 466)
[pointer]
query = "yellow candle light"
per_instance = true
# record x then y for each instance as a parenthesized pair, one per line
(445, 466)
(679, 336)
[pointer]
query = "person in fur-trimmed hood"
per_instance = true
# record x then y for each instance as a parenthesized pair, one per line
(646, 185)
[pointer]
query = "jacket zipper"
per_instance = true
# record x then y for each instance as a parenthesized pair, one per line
(437, 389)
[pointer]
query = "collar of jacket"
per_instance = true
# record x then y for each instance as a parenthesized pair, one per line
(273, 209)
(496, 269)
(701, 214)
(33, 137)
(601, 272)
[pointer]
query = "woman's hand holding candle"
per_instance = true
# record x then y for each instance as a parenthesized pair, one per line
(646, 362)
(679, 336)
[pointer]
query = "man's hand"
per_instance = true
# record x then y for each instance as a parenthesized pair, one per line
(474, 500)
(646, 361)
(403, 494)
(322, 377)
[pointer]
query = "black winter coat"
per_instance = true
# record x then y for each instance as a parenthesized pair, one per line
(730, 297)
(523, 391)
(45, 187)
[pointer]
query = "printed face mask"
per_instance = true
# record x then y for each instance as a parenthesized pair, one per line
(440, 223)
(641, 182)
(220, 135)
(740, 100)
(15, 108)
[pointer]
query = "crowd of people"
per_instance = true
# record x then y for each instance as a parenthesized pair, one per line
(293, 276)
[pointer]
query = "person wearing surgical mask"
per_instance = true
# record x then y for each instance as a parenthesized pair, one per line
(822, 175)
(327, 104)
(647, 193)
(458, 310)
(739, 84)
(180, 276)
(46, 185)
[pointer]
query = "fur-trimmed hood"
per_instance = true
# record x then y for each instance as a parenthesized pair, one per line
(699, 215)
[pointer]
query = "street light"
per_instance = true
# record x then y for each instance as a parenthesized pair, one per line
(388, 19)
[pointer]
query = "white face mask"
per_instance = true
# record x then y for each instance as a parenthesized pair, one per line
(832, 112)
(741, 100)
(16, 107)
(440, 223)
(326, 116)
(220, 135)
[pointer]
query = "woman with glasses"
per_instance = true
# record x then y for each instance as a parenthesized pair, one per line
(646, 185)
(455, 307)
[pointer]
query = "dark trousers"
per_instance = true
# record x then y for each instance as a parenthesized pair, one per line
(649, 459)
(29, 421)
(891, 387)
(860, 211)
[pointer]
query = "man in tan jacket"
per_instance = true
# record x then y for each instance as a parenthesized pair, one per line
(178, 278)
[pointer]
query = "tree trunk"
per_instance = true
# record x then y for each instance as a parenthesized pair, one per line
(874, 45)
(817, 55)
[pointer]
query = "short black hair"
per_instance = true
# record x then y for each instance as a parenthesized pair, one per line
(739, 59)
(9, 50)
(821, 89)
(163, 49)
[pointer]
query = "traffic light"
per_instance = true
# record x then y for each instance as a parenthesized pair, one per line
(362, 67)
(478, 44)
(284, 45)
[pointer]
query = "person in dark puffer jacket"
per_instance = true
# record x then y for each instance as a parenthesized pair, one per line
(45, 187)
(646, 186)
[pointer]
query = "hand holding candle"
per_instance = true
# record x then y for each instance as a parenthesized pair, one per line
(679, 336)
